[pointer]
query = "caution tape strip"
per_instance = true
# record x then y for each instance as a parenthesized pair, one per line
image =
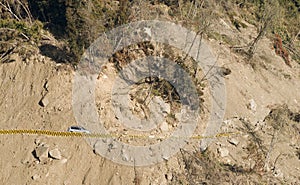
(97, 135)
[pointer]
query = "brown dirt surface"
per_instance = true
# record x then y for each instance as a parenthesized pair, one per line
(262, 117)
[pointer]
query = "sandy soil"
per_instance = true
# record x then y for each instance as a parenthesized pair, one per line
(24, 84)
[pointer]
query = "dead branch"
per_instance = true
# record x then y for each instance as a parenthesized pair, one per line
(10, 11)
(26, 9)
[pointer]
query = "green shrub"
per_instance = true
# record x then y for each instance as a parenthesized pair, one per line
(32, 31)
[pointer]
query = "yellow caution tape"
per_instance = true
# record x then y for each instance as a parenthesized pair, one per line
(95, 135)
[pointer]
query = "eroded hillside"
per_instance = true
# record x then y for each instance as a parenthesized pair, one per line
(259, 137)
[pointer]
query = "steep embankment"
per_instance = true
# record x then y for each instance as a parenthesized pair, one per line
(261, 143)
(251, 94)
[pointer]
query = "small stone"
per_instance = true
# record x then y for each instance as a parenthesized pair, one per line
(44, 102)
(278, 173)
(233, 141)
(252, 105)
(169, 176)
(224, 71)
(46, 85)
(37, 141)
(35, 177)
(55, 154)
(166, 158)
(252, 164)
(164, 127)
(228, 161)
(223, 152)
(41, 152)
(151, 136)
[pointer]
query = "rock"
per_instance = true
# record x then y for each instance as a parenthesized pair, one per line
(252, 105)
(41, 153)
(223, 152)
(105, 76)
(35, 177)
(166, 158)
(151, 136)
(148, 31)
(55, 154)
(37, 141)
(164, 127)
(233, 141)
(224, 71)
(44, 102)
(278, 173)
(252, 164)
(169, 176)
(46, 85)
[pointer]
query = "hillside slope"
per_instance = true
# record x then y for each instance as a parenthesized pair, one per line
(259, 140)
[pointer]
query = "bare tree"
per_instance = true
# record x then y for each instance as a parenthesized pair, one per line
(269, 13)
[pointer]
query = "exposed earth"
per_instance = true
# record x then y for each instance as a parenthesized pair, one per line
(258, 141)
